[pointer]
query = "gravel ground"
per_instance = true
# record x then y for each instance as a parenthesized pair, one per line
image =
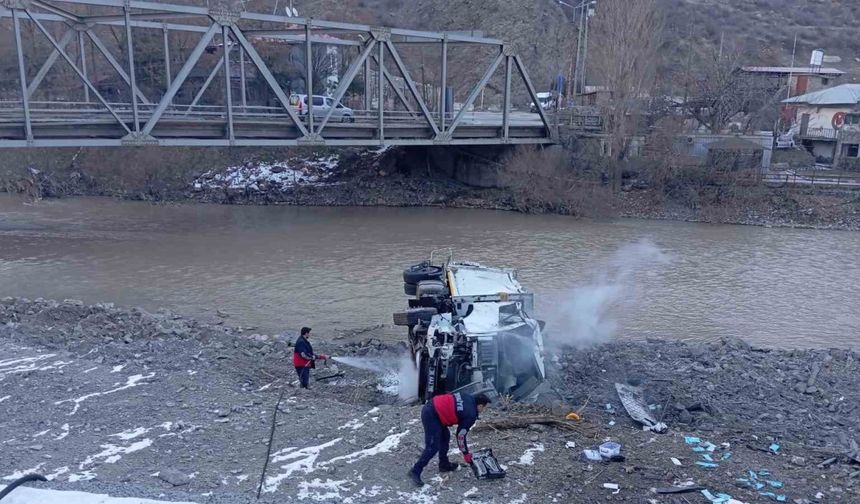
(135, 404)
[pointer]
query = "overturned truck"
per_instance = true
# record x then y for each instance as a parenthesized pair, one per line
(471, 329)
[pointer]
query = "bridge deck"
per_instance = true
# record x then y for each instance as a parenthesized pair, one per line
(252, 126)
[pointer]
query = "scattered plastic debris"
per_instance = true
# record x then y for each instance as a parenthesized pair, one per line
(633, 400)
(609, 449)
(774, 448)
(612, 486)
(592, 456)
(676, 461)
(711, 454)
(758, 481)
(720, 498)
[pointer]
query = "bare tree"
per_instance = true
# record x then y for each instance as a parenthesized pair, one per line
(625, 56)
(718, 91)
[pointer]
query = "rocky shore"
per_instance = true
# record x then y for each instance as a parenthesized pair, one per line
(385, 177)
(129, 403)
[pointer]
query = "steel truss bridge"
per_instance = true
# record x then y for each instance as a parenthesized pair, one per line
(75, 31)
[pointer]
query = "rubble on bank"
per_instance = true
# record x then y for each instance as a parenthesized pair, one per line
(124, 402)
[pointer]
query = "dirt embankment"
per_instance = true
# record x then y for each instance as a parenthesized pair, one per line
(386, 177)
(103, 399)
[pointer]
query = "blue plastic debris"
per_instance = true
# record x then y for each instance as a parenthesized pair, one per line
(692, 440)
(707, 457)
(726, 456)
(720, 498)
(754, 482)
(699, 449)
(710, 446)
(774, 448)
(709, 465)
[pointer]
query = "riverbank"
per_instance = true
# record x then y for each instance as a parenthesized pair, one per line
(387, 177)
(121, 401)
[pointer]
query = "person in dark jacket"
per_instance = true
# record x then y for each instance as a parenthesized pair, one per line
(444, 411)
(304, 357)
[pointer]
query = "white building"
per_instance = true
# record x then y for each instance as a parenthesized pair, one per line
(821, 117)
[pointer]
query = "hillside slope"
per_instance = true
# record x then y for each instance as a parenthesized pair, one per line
(764, 29)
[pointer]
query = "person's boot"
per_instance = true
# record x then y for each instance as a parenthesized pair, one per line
(415, 477)
(448, 467)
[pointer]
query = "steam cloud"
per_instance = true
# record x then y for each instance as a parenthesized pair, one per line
(587, 315)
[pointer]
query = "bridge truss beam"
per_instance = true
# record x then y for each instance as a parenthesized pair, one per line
(165, 121)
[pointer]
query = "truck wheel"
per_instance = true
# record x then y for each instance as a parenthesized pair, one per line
(410, 289)
(419, 272)
(413, 316)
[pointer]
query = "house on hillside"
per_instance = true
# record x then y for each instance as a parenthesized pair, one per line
(820, 118)
(801, 80)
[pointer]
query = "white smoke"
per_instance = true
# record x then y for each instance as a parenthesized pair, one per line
(588, 314)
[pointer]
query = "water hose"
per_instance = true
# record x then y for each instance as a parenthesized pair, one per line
(20, 481)
(271, 438)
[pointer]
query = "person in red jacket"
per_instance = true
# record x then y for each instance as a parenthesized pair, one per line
(444, 411)
(304, 357)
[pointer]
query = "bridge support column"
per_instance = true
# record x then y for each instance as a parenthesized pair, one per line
(131, 72)
(22, 76)
(166, 40)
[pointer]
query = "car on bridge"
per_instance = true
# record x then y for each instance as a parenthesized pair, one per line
(322, 104)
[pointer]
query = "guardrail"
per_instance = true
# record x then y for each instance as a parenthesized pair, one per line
(814, 178)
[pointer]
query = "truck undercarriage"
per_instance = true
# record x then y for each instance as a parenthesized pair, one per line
(470, 329)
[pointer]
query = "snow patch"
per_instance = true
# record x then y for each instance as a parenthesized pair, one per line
(353, 424)
(40, 434)
(385, 446)
(112, 453)
(117, 369)
(281, 174)
(130, 434)
(85, 371)
(27, 364)
(57, 472)
(528, 458)
(20, 474)
(131, 382)
(26, 495)
(82, 476)
(319, 490)
(304, 460)
(4, 398)
(62, 435)
(422, 496)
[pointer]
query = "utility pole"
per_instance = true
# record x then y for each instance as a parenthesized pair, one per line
(584, 11)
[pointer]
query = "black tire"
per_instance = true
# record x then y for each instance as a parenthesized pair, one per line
(423, 271)
(410, 289)
(413, 316)
(427, 288)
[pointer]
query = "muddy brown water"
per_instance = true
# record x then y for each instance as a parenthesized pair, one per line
(279, 268)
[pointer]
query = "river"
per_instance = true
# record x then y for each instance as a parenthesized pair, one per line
(275, 268)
